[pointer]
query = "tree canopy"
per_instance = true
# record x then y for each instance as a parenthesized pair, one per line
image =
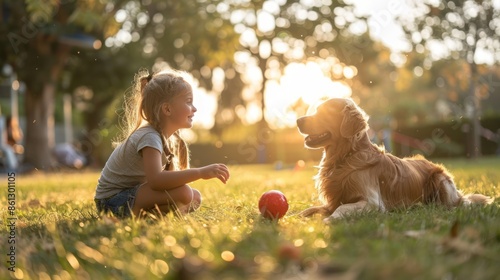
(460, 30)
(237, 51)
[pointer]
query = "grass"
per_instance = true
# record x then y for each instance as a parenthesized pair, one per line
(58, 235)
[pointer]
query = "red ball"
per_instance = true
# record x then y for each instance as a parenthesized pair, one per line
(273, 204)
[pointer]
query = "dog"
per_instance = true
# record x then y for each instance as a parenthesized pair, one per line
(355, 174)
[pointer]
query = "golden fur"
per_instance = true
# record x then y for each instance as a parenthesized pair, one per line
(355, 174)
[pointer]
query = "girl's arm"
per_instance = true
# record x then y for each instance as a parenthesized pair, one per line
(160, 179)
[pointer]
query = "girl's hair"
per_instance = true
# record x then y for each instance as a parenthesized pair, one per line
(144, 103)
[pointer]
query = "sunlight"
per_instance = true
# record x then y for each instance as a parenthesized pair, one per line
(286, 97)
(253, 112)
(300, 81)
(206, 105)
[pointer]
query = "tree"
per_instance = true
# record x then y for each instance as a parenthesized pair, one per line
(465, 29)
(281, 32)
(38, 38)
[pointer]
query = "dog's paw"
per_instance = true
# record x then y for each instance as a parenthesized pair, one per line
(328, 220)
(322, 210)
(306, 213)
(333, 217)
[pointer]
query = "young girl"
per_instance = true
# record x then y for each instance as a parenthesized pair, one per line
(149, 169)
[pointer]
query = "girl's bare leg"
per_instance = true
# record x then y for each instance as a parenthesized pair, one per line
(184, 197)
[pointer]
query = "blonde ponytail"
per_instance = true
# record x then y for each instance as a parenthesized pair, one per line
(179, 148)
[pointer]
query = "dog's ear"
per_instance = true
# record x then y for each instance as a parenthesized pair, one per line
(355, 121)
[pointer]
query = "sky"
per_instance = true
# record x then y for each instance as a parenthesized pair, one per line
(382, 14)
(383, 27)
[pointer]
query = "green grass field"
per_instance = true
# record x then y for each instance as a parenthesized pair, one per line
(58, 234)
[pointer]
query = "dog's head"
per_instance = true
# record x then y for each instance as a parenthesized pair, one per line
(335, 120)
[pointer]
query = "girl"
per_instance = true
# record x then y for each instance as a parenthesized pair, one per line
(150, 168)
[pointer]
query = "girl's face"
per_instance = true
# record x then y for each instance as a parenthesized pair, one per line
(180, 111)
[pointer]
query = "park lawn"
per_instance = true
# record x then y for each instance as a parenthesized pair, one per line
(58, 234)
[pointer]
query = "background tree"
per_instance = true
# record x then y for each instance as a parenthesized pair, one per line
(37, 39)
(465, 30)
(275, 34)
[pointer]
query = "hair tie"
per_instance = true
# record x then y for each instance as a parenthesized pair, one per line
(149, 77)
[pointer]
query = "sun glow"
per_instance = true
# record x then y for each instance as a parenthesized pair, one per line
(206, 106)
(304, 82)
(286, 96)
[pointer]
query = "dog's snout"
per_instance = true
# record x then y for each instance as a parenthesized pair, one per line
(300, 121)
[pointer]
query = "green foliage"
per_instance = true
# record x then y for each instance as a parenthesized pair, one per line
(41, 11)
(59, 233)
(465, 25)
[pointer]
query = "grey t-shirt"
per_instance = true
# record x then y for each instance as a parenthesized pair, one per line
(124, 168)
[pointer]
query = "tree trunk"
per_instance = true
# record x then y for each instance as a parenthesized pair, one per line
(39, 104)
(264, 134)
(40, 127)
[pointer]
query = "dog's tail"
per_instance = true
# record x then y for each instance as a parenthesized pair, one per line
(469, 199)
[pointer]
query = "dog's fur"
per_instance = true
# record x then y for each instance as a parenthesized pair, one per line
(355, 174)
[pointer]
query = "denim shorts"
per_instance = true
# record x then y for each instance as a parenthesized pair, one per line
(119, 204)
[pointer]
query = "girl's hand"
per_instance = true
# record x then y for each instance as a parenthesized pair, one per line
(217, 170)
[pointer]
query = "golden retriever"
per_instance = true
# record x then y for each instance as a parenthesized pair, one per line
(355, 174)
